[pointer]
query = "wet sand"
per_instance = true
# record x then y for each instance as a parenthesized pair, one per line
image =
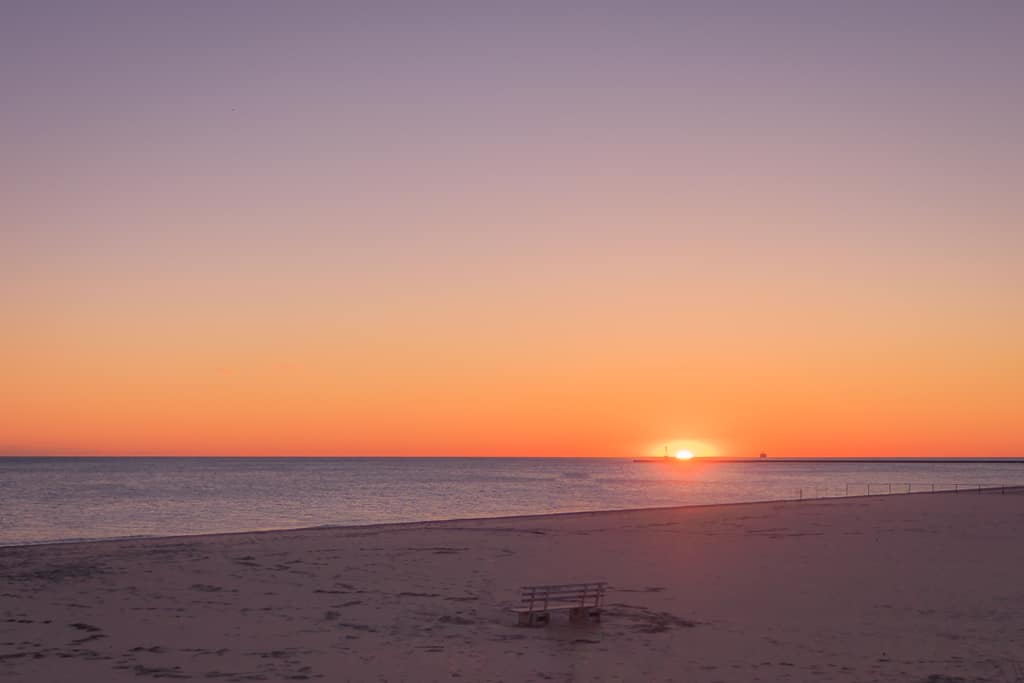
(925, 587)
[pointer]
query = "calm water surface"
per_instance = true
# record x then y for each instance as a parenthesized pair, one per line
(59, 499)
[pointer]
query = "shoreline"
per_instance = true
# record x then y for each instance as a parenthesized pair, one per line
(983, 490)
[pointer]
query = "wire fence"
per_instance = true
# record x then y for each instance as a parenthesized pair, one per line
(893, 488)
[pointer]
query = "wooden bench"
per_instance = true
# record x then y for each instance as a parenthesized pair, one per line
(583, 601)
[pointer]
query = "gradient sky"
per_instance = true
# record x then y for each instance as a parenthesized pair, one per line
(576, 228)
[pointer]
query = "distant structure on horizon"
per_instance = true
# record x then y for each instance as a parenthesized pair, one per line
(763, 456)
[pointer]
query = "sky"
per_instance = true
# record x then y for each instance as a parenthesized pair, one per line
(512, 229)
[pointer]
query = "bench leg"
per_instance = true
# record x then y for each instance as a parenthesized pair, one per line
(581, 614)
(534, 618)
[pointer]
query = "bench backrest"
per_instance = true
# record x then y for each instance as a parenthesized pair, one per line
(585, 594)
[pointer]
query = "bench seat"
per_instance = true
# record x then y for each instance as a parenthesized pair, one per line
(552, 606)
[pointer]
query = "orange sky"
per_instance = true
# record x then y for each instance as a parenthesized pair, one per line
(243, 239)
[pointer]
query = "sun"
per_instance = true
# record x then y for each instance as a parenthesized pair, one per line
(684, 455)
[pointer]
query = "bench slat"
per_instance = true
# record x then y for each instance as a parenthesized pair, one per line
(562, 596)
(550, 607)
(565, 586)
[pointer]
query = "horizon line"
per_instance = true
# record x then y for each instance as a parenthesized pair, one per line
(634, 458)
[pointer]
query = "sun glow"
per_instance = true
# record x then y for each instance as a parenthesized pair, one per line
(682, 449)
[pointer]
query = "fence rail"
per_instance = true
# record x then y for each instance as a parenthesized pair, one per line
(893, 488)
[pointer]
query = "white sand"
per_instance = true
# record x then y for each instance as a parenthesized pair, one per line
(900, 588)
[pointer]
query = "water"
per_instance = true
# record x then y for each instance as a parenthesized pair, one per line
(60, 499)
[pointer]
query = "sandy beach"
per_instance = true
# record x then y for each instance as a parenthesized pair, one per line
(925, 587)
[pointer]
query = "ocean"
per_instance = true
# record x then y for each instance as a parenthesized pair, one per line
(65, 499)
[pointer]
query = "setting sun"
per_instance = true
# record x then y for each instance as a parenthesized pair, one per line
(683, 455)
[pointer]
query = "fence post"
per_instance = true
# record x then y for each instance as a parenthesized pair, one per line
(890, 487)
(847, 489)
(956, 488)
